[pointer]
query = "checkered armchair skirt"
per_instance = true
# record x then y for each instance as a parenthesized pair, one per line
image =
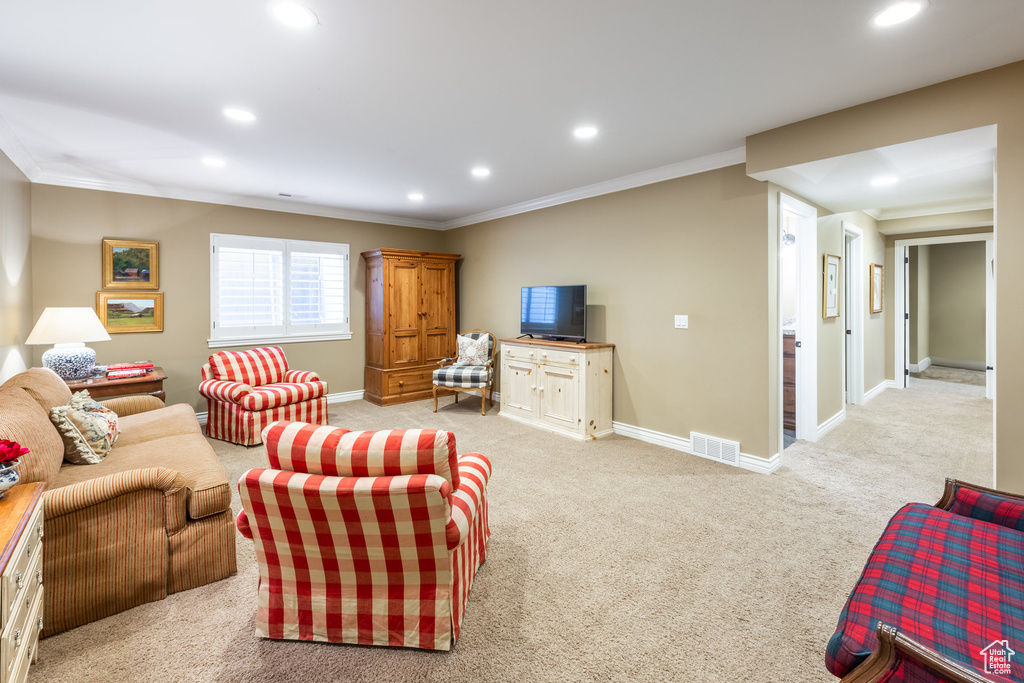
(247, 390)
(370, 538)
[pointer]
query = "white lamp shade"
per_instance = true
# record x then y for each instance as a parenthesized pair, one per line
(67, 326)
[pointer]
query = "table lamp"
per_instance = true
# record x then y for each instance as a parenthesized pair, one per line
(68, 329)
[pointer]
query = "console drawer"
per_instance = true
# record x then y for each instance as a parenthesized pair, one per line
(22, 627)
(16, 574)
(570, 358)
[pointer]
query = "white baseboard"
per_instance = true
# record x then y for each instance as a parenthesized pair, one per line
(921, 366)
(754, 463)
(831, 423)
(340, 397)
(882, 386)
(892, 384)
(957, 363)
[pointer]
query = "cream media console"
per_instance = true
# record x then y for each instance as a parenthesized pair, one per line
(559, 386)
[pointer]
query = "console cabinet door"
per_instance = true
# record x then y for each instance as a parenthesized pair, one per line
(559, 396)
(519, 387)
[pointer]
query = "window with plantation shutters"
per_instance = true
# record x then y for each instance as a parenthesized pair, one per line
(266, 290)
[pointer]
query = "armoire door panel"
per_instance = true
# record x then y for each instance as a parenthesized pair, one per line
(404, 296)
(435, 280)
(405, 349)
(437, 346)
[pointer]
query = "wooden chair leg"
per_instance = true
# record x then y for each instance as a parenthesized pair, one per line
(483, 401)
(490, 393)
(456, 395)
(435, 398)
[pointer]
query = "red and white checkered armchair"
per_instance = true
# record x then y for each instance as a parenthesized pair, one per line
(247, 390)
(370, 538)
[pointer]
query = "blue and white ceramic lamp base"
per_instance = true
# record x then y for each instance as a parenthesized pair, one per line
(70, 361)
(9, 476)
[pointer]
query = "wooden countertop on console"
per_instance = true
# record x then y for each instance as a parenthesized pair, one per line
(13, 518)
(559, 344)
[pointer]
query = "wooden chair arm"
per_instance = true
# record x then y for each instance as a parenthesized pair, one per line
(949, 493)
(445, 361)
(891, 642)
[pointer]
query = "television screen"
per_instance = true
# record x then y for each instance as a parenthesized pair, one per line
(559, 312)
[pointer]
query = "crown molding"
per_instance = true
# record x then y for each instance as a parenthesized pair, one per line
(703, 164)
(211, 197)
(937, 208)
(16, 152)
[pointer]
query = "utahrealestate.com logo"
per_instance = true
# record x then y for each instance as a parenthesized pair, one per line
(997, 657)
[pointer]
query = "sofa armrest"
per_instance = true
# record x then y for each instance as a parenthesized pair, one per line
(898, 652)
(220, 390)
(467, 500)
(86, 494)
(124, 406)
(983, 504)
(299, 376)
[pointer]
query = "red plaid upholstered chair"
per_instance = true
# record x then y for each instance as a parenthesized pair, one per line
(247, 390)
(371, 538)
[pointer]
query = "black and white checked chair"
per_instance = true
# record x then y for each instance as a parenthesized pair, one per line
(455, 378)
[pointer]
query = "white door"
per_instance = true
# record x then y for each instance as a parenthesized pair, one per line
(990, 319)
(904, 253)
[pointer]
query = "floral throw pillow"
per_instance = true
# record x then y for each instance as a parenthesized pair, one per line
(87, 429)
(472, 351)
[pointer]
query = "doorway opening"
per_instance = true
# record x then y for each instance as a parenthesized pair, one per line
(798, 246)
(945, 310)
(852, 312)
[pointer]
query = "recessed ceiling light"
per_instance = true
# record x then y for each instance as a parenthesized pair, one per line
(585, 132)
(416, 196)
(240, 115)
(898, 13)
(481, 172)
(885, 180)
(215, 162)
(294, 14)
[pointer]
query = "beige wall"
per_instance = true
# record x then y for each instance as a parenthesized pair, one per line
(831, 331)
(919, 289)
(15, 269)
(68, 225)
(942, 221)
(957, 296)
(698, 246)
(990, 97)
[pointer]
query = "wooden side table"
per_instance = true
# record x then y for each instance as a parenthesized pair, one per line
(21, 580)
(151, 383)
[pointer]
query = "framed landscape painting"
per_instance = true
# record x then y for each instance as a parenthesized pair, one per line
(131, 264)
(125, 312)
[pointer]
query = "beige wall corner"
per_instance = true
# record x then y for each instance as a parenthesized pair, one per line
(68, 225)
(16, 319)
(694, 245)
(957, 303)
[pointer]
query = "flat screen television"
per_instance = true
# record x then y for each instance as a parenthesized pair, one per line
(558, 312)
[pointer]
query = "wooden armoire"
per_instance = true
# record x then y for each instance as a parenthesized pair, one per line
(410, 322)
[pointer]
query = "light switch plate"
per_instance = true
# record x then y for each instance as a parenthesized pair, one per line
(682, 322)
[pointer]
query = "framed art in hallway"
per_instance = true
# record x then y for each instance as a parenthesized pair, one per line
(130, 312)
(877, 284)
(131, 264)
(830, 286)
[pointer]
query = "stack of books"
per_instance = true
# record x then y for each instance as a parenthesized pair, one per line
(125, 370)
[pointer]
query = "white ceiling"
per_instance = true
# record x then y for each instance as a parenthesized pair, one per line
(389, 97)
(941, 174)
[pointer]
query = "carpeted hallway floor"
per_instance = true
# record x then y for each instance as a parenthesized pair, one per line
(614, 560)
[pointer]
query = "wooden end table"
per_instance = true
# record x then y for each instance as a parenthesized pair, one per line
(151, 383)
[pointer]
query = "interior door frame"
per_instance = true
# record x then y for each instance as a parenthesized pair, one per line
(853, 343)
(807, 286)
(901, 367)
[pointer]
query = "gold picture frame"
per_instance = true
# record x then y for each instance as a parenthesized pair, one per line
(831, 283)
(131, 264)
(877, 288)
(130, 311)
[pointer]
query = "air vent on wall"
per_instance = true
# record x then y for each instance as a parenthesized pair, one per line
(715, 448)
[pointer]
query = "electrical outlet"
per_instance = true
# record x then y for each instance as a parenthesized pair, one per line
(682, 322)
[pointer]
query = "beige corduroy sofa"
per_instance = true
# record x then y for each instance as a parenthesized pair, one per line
(152, 518)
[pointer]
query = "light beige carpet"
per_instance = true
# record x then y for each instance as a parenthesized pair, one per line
(955, 375)
(613, 560)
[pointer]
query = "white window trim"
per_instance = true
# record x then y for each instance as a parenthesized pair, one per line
(287, 246)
